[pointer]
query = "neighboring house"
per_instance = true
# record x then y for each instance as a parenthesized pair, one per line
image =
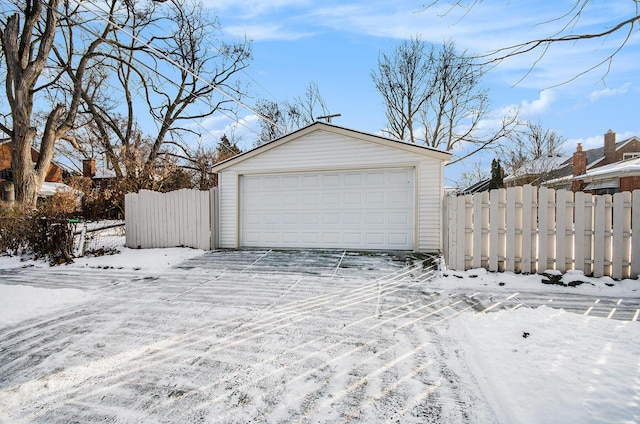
(608, 179)
(53, 176)
(537, 171)
(577, 173)
(596, 170)
(101, 179)
(325, 186)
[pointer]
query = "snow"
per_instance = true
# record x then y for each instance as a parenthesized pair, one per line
(19, 303)
(570, 367)
(49, 188)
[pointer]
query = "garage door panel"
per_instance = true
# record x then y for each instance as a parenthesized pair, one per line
(289, 237)
(398, 239)
(375, 239)
(330, 218)
(331, 238)
(400, 218)
(375, 218)
(374, 178)
(331, 180)
(353, 198)
(375, 198)
(352, 179)
(353, 209)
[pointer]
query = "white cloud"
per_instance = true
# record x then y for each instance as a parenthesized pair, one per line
(596, 140)
(608, 92)
(539, 105)
(267, 32)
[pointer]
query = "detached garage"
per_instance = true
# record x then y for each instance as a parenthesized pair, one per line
(329, 187)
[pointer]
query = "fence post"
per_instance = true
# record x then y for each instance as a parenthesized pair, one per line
(452, 260)
(213, 217)
(514, 229)
(460, 233)
(129, 219)
(564, 229)
(621, 235)
(582, 234)
(480, 228)
(529, 226)
(635, 236)
(602, 236)
(468, 230)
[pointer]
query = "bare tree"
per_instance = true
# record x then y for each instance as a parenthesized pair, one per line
(28, 33)
(197, 79)
(436, 98)
(406, 82)
(533, 150)
(568, 21)
(472, 175)
(289, 115)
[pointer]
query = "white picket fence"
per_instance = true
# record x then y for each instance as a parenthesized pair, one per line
(178, 218)
(530, 229)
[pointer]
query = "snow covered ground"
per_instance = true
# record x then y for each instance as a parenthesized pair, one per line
(180, 335)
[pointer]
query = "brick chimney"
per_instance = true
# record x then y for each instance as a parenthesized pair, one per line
(579, 167)
(609, 147)
(89, 168)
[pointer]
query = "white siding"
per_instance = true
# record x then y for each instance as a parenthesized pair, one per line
(323, 151)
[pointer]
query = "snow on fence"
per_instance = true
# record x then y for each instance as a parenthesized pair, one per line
(530, 229)
(178, 218)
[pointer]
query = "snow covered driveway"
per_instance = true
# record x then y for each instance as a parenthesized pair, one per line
(250, 336)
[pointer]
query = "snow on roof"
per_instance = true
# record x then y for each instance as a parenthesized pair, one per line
(628, 166)
(49, 188)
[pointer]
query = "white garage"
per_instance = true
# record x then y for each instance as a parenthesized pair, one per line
(329, 187)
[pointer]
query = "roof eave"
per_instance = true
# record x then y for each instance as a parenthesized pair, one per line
(321, 126)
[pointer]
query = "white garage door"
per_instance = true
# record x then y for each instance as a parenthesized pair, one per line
(364, 209)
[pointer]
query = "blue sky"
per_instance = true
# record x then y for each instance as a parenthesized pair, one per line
(336, 44)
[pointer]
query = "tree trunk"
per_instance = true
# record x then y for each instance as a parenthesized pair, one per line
(24, 174)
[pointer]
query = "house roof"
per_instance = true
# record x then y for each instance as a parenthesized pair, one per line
(478, 187)
(321, 126)
(541, 165)
(623, 168)
(594, 156)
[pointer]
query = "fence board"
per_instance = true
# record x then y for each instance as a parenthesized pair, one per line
(529, 225)
(514, 230)
(608, 234)
(621, 234)
(580, 235)
(599, 230)
(547, 219)
(460, 249)
(561, 230)
(635, 235)
(477, 235)
(468, 230)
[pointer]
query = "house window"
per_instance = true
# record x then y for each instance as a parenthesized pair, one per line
(6, 174)
(633, 155)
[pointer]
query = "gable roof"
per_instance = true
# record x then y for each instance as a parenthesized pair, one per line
(334, 129)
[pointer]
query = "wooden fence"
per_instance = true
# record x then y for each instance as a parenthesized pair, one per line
(530, 229)
(178, 218)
